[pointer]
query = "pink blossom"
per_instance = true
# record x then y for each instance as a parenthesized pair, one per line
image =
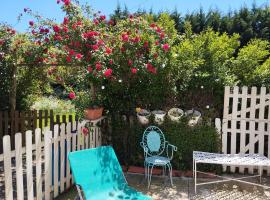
(72, 95)
(79, 56)
(133, 70)
(125, 37)
(31, 23)
(108, 51)
(166, 47)
(66, 20)
(85, 131)
(102, 17)
(56, 28)
(108, 72)
(130, 62)
(69, 59)
(98, 66)
(95, 47)
(89, 69)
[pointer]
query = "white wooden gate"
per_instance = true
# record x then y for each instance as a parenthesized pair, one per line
(47, 157)
(246, 119)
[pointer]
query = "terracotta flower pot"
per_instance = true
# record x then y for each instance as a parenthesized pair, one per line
(93, 113)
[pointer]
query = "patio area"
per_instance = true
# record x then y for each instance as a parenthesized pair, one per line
(184, 189)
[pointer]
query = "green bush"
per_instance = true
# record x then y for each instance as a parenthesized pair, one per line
(187, 139)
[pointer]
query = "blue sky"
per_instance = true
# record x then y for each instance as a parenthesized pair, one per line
(10, 9)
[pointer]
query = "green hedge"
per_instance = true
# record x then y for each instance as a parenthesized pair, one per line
(126, 139)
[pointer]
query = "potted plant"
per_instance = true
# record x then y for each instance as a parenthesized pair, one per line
(194, 117)
(159, 116)
(88, 108)
(143, 116)
(175, 114)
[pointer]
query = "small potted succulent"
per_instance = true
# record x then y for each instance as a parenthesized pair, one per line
(143, 115)
(175, 114)
(159, 116)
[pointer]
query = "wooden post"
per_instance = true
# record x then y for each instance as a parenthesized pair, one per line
(12, 95)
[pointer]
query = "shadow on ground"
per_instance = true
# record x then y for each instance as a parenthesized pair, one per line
(184, 189)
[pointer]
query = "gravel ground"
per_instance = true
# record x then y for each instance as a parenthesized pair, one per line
(184, 189)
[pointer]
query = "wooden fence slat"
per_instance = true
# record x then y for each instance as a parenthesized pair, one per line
(233, 123)
(56, 160)
(19, 166)
(261, 123)
(74, 140)
(68, 135)
(48, 163)
(252, 124)
(7, 168)
(62, 157)
(38, 164)
(29, 165)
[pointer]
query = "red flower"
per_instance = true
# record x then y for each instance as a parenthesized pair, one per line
(152, 25)
(157, 42)
(65, 29)
(69, 59)
(130, 62)
(125, 37)
(111, 61)
(98, 66)
(47, 40)
(133, 70)
(95, 47)
(108, 72)
(123, 49)
(100, 42)
(66, 2)
(66, 20)
(56, 28)
(31, 23)
(71, 52)
(85, 131)
(89, 69)
(58, 38)
(151, 68)
(136, 39)
(102, 17)
(166, 47)
(72, 95)
(79, 56)
(96, 22)
(158, 30)
(108, 51)
(155, 55)
(162, 35)
(46, 30)
(146, 43)
(2, 42)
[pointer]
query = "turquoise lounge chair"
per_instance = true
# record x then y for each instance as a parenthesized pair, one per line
(98, 176)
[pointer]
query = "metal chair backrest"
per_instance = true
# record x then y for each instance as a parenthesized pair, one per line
(154, 140)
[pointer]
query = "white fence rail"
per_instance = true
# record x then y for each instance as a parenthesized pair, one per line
(246, 123)
(41, 170)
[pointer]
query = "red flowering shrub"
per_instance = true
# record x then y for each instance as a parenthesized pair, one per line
(129, 51)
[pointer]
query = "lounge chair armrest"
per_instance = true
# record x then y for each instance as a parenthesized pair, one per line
(172, 148)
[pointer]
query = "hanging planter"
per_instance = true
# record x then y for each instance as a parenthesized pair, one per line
(194, 117)
(175, 114)
(143, 116)
(159, 116)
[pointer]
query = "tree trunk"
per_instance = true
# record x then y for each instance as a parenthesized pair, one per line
(12, 97)
(93, 91)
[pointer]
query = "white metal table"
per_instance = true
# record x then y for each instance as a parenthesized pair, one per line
(229, 160)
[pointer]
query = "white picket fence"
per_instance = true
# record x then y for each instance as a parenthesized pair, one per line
(246, 123)
(43, 163)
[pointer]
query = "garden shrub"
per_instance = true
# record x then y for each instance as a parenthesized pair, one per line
(202, 137)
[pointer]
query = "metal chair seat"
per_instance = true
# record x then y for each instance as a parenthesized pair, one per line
(157, 160)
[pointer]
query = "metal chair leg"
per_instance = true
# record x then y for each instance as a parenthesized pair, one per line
(150, 176)
(170, 173)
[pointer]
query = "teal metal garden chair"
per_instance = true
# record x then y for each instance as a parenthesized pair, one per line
(157, 152)
(98, 176)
